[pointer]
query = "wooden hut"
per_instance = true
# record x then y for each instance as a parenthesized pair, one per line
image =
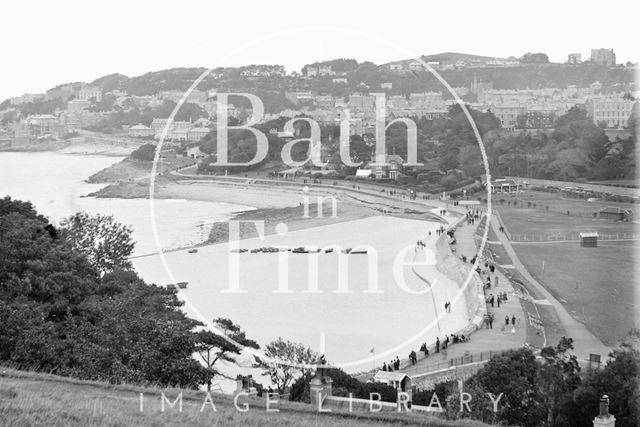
(589, 239)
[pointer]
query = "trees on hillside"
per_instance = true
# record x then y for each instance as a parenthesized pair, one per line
(145, 153)
(289, 360)
(223, 345)
(553, 391)
(60, 315)
(106, 243)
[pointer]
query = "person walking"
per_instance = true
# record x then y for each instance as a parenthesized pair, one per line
(490, 320)
(384, 366)
(438, 345)
(506, 320)
(513, 320)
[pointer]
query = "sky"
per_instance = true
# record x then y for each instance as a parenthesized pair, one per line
(46, 43)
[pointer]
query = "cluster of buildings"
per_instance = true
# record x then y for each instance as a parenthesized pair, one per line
(539, 108)
(598, 56)
(418, 65)
(516, 109)
(176, 131)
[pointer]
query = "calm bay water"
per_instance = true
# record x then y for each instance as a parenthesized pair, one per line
(55, 184)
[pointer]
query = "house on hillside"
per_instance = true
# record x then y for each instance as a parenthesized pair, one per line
(140, 131)
(390, 167)
(194, 152)
(615, 213)
(504, 186)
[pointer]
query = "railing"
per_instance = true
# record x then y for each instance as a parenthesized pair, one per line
(572, 237)
(465, 359)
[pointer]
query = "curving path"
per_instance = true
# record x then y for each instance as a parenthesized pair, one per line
(584, 341)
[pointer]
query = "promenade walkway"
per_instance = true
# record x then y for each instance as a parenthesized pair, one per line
(496, 339)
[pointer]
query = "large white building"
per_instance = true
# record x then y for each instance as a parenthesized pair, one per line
(612, 110)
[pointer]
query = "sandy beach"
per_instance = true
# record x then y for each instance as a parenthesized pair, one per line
(395, 320)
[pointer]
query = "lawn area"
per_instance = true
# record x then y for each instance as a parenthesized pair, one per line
(595, 284)
(30, 399)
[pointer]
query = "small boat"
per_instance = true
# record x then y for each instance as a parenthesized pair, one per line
(192, 251)
(181, 285)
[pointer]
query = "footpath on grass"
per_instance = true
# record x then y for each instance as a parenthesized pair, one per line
(584, 342)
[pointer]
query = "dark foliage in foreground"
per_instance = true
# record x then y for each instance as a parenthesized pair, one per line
(59, 315)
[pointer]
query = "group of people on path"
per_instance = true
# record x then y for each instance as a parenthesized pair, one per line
(502, 297)
(472, 216)
(393, 365)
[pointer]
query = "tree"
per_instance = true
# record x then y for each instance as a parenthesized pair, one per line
(618, 380)
(559, 376)
(515, 375)
(106, 243)
(342, 384)
(288, 361)
(146, 153)
(213, 346)
(60, 316)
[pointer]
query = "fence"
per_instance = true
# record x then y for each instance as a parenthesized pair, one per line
(466, 359)
(571, 237)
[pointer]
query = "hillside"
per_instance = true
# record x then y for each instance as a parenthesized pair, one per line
(39, 399)
(456, 56)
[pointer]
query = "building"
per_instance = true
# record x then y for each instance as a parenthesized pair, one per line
(574, 59)
(503, 186)
(416, 66)
(140, 131)
(603, 56)
(390, 167)
(396, 68)
(195, 153)
(615, 213)
(45, 124)
(507, 114)
(589, 239)
(325, 101)
(614, 111)
(325, 70)
(197, 133)
(88, 93)
(386, 86)
(27, 97)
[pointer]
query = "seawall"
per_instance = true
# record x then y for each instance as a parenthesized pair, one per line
(449, 264)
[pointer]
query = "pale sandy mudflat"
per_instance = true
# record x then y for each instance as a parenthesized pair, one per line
(352, 323)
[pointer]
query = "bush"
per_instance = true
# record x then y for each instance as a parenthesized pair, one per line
(343, 384)
(145, 153)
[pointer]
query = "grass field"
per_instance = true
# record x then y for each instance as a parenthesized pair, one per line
(29, 399)
(597, 285)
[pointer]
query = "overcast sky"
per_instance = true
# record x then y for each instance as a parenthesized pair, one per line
(46, 43)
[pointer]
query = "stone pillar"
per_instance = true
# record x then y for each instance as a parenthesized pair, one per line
(319, 389)
(604, 418)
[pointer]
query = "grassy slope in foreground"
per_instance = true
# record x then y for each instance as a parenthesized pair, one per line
(39, 399)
